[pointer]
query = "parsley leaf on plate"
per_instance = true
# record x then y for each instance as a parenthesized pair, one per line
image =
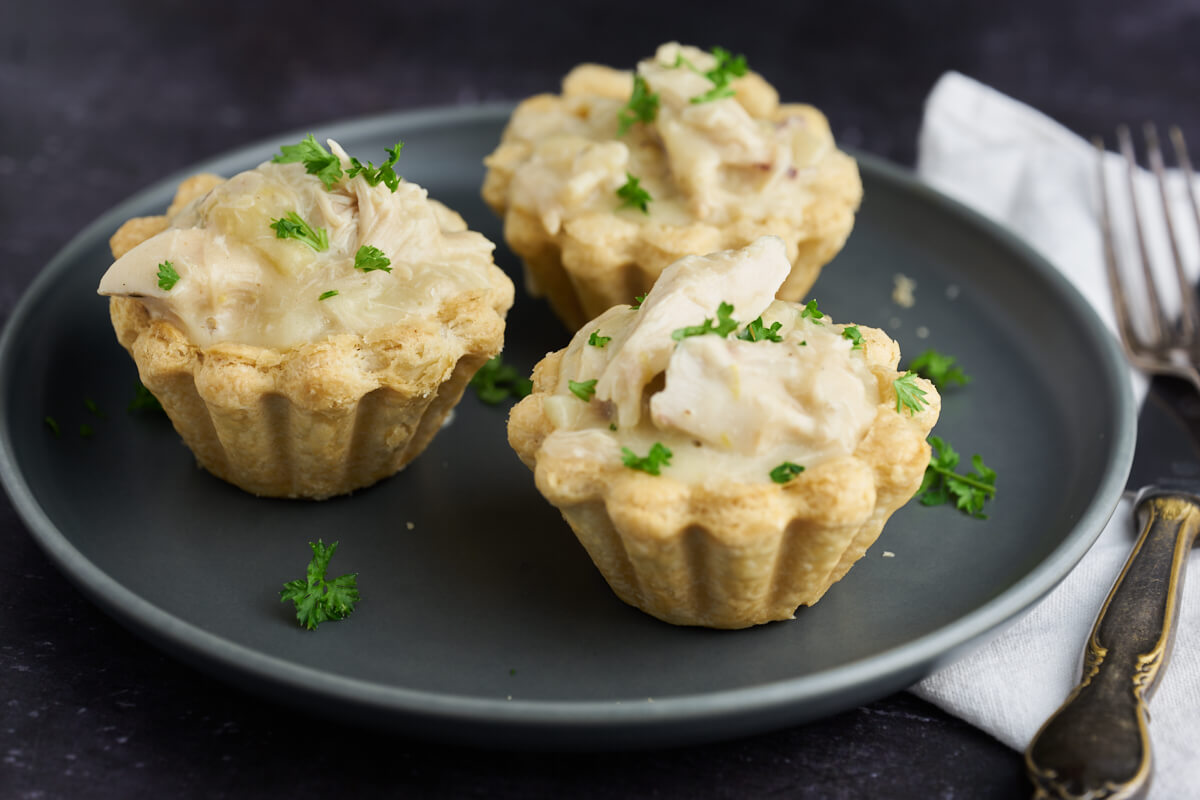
(496, 381)
(939, 369)
(942, 484)
(317, 599)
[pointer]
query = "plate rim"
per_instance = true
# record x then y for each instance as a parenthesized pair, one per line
(584, 721)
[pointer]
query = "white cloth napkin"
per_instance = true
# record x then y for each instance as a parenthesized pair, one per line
(1029, 173)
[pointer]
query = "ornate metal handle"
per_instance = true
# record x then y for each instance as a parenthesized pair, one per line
(1096, 744)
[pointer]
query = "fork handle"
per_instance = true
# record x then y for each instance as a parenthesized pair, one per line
(1096, 744)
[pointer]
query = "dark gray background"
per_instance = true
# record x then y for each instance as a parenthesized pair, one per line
(102, 99)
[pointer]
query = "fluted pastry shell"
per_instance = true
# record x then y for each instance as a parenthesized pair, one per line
(319, 419)
(726, 554)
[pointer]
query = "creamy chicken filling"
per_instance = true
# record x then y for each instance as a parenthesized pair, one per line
(783, 385)
(239, 280)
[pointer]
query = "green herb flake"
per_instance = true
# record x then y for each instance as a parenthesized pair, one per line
(633, 195)
(642, 106)
(86, 431)
(143, 399)
(942, 484)
(652, 463)
(852, 333)
(167, 276)
(385, 173)
(316, 159)
(596, 340)
(723, 326)
(721, 75)
(939, 368)
(52, 424)
(583, 389)
(496, 381)
(810, 311)
(755, 331)
(91, 406)
(291, 226)
(328, 294)
(785, 472)
(637, 301)
(370, 258)
(319, 600)
(908, 394)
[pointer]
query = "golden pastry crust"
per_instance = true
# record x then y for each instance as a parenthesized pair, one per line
(724, 554)
(591, 259)
(317, 420)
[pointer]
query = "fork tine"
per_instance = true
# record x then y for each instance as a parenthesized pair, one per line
(1158, 319)
(1188, 322)
(1185, 167)
(1116, 283)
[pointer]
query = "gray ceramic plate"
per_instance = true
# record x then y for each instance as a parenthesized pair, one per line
(482, 620)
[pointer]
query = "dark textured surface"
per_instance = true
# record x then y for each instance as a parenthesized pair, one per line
(101, 99)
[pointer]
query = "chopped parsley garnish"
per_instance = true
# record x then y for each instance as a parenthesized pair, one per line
(86, 430)
(785, 472)
(496, 381)
(143, 399)
(727, 68)
(317, 599)
(583, 389)
(852, 333)
(939, 369)
(91, 406)
(316, 159)
(723, 326)
(810, 311)
(942, 484)
(383, 174)
(167, 276)
(370, 258)
(292, 227)
(642, 106)
(633, 195)
(327, 295)
(658, 457)
(52, 424)
(596, 340)
(908, 394)
(755, 331)
(637, 301)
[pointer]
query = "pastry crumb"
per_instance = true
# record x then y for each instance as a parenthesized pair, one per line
(922, 332)
(888, 554)
(951, 292)
(902, 293)
(410, 525)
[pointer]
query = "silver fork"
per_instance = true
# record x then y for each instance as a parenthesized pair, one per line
(1172, 347)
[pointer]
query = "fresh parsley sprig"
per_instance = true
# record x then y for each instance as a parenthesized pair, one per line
(811, 311)
(328, 294)
(852, 333)
(755, 331)
(291, 226)
(939, 368)
(370, 258)
(584, 390)
(496, 381)
(651, 463)
(642, 106)
(596, 340)
(633, 195)
(315, 158)
(785, 472)
(167, 276)
(723, 326)
(908, 394)
(385, 173)
(942, 484)
(726, 69)
(319, 600)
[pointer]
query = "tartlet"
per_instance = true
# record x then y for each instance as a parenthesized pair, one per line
(724, 457)
(292, 370)
(719, 174)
